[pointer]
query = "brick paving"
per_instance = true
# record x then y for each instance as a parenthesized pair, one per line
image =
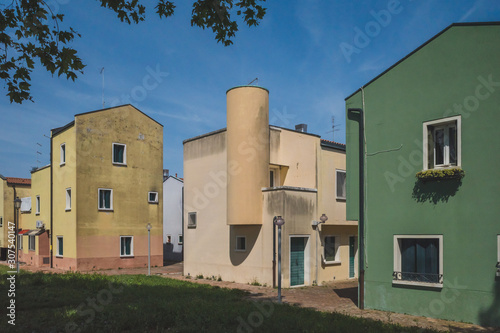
(340, 297)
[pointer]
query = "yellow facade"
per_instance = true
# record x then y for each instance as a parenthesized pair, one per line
(40, 190)
(299, 185)
(9, 186)
(102, 199)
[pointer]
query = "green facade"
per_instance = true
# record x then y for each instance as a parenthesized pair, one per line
(448, 76)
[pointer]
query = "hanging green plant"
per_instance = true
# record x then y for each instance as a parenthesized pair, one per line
(441, 174)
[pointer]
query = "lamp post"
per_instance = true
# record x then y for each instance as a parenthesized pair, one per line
(316, 224)
(149, 247)
(279, 222)
(17, 205)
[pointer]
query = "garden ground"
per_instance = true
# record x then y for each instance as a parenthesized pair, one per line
(337, 297)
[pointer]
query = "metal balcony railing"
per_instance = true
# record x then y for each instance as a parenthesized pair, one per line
(417, 277)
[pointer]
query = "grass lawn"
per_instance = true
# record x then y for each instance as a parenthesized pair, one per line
(75, 302)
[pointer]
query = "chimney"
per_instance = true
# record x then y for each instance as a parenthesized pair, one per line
(301, 128)
(165, 174)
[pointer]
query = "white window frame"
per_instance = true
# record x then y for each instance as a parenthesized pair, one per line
(68, 199)
(31, 243)
(180, 239)
(498, 248)
(236, 244)
(37, 205)
(60, 252)
(397, 260)
(99, 196)
(124, 153)
(191, 220)
(156, 197)
(457, 120)
(337, 251)
(131, 247)
(19, 242)
(62, 154)
(337, 171)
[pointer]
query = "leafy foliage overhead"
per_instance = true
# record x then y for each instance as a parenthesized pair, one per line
(30, 34)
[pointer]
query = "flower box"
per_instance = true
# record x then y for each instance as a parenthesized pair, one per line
(440, 174)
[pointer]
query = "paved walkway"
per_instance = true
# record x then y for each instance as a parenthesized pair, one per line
(340, 297)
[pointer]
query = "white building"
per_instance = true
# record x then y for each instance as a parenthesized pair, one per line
(173, 188)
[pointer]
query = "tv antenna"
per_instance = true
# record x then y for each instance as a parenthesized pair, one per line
(256, 80)
(102, 73)
(334, 128)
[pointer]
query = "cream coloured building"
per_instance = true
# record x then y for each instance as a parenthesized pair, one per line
(236, 180)
(92, 204)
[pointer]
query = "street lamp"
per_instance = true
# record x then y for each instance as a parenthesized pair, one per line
(17, 205)
(316, 224)
(149, 247)
(278, 220)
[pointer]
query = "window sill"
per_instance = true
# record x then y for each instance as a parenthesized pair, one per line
(126, 256)
(105, 209)
(59, 256)
(191, 227)
(336, 262)
(37, 214)
(418, 284)
(236, 250)
(153, 202)
(120, 164)
(341, 199)
(62, 164)
(67, 210)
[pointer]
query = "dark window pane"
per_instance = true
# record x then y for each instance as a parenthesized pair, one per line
(118, 153)
(341, 192)
(420, 259)
(453, 145)
(271, 178)
(329, 248)
(439, 146)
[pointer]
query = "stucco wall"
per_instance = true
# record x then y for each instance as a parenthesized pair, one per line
(444, 78)
(172, 218)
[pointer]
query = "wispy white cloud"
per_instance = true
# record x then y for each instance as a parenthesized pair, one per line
(470, 11)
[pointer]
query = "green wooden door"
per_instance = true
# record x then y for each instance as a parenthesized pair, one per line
(297, 247)
(352, 253)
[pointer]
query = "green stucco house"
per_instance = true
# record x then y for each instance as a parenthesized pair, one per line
(431, 243)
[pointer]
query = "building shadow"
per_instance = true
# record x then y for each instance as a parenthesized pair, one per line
(435, 191)
(349, 293)
(490, 316)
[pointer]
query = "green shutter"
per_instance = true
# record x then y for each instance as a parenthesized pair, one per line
(297, 245)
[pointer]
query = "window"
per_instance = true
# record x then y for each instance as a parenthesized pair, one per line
(1, 221)
(68, 199)
(37, 211)
(442, 143)
(169, 239)
(192, 220)
(119, 153)
(331, 253)
(340, 184)
(181, 239)
(418, 260)
(153, 197)
(241, 243)
(105, 199)
(63, 154)
(31, 243)
(20, 242)
(60, 247)
(274, 177)
(126, 246)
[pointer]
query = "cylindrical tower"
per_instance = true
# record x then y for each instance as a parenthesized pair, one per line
(247, 153)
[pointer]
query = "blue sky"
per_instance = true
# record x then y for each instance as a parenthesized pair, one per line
(300, 52)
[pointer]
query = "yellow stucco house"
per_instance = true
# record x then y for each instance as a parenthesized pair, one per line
(92, 204)
(10, 188)
(236, 180)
